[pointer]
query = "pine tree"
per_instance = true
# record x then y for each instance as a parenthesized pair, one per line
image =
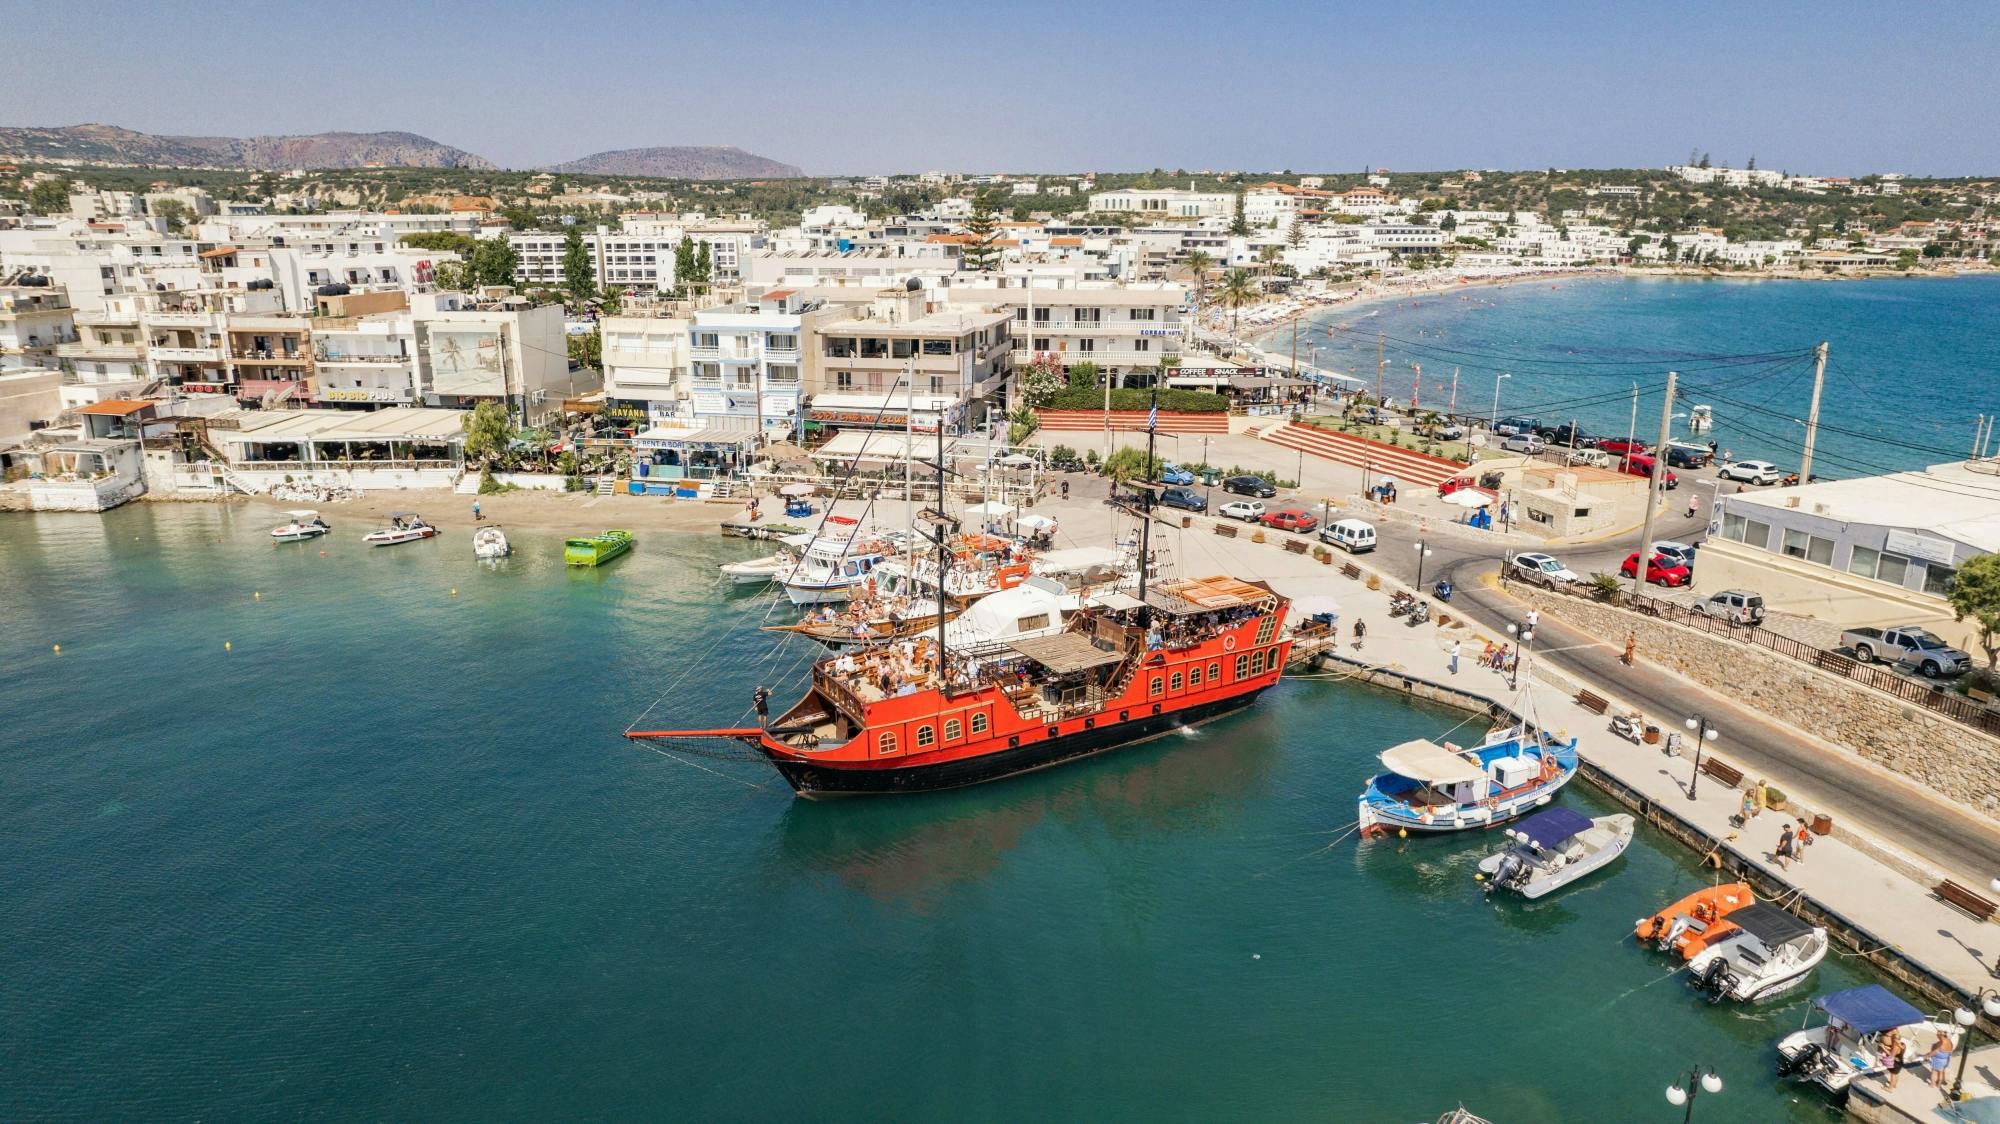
(981, 254)
(704, 268)
(684, 262)
(578, 276)
(1240, 225)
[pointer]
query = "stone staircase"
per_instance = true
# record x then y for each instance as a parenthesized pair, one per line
(468, 484)
(1407, 466)
(606, 486)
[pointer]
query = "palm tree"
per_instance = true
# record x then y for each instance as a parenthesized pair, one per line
(1268, 255)
(1200, 263)
(1238, 289)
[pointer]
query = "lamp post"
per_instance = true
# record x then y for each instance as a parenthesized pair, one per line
(1995, 969)
(1496, 399)
(1989, 1001)
(1701, 1079)
(1423, 551)
(1703, 733)
(1526, 639)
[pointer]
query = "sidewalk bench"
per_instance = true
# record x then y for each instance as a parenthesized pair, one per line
(1721, 770)
(1350, 570)
(1226, 530)
(1592, 703)
(1965, 899)
(1296, 546)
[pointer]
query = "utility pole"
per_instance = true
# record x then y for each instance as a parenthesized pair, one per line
(1295, 345)
(1812, 413)
(1632, 427)
(1453, 408)
(1653, 488)
(1380, 364)
(1417, 394)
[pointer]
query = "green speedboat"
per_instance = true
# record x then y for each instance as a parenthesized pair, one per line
(597, 549)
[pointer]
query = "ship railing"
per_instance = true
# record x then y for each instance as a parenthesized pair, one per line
(836, 691)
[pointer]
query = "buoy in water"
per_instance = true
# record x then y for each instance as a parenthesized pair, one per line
(1402, 833)
(454, 591)
(59, 649)
(1480, 877)
(226, 646)
(257, 595)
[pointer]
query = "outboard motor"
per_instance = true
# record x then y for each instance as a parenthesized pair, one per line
(1718, 979)
(1802, 1062)
(1674, 932)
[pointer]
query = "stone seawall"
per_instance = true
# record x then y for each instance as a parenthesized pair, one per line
(1951, 759)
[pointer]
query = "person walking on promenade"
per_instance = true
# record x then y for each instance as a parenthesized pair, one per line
(1360, 633)
(1454, 657)
(1749, 805)
(475, 511)
(1938, 1060)
(1761, 792)
(1889, 1051)
(1782, 855)
(1534, 618)
(1803, 841)
(1065, 489)
(1694, 505)
(1631, 647)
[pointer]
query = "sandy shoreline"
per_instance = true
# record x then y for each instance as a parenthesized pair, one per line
(559, 512)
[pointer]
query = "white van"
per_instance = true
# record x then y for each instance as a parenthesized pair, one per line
(1352, 534)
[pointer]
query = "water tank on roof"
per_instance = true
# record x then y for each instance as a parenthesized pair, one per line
(913, 284)
(337, 289)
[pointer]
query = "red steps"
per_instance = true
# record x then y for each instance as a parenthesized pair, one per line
(1406, 465)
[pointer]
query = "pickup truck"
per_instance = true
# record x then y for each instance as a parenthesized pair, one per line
(1915, 647)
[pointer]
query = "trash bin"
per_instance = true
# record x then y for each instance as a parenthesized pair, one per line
(1211, 479)
(1822, 824)
(1652, 734)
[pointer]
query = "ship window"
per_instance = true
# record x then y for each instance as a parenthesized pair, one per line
(953, 730)
(1194, 676)
(1153, 689)
(1215, 673)
(885, 744)
(1257, 663)
(979, 723)
(1271, 658)
(1174, 684)
(925, 736)
(1242, 667)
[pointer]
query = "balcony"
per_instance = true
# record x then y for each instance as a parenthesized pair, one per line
(782, 354)
(114, 352)
(338, 358)
(186, 354)
(258, 355)
(1101, 357)
(705, 353)
(178, 319)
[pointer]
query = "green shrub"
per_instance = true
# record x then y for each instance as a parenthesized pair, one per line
(1133, 398)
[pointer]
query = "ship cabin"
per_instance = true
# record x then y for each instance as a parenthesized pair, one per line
(1189, 641)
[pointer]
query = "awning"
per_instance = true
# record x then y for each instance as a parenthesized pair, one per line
(1770, 924)
(1114, 600)
(1867, 1010)
(115, 407)
(990, 507)
(1552, 827)
(1065, 652)
(661, 437)
(1430, 763)
(1205, 595)
(1032, 522)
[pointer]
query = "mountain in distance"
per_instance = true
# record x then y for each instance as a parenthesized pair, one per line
(110, 144)
(685, 162)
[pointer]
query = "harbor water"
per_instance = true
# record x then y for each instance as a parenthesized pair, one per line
(1911, 361)
(326, 831)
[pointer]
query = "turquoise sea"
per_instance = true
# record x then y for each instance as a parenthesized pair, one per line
(385, 856)
(1912, 361)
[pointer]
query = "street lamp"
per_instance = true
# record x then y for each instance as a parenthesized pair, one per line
(1703, 733)
(1423, 551)
(1526, 638)
(1989, 1001)
(1496, 398)
(1699, 1080)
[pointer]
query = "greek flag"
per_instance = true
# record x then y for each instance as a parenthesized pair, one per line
(1153, 418)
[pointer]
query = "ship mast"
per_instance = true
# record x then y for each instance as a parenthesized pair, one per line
(1146, 508)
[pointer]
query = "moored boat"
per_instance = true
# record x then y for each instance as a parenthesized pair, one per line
(1553, 848)
(596, 550)
(832, 568)
(490, 542)
(303, 524)
(404, 526)
(1437, 788)
(1848, 1044)
(1769, 952)
(1688, 925)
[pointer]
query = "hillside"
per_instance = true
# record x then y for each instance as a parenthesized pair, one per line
(682, 163)
(113, 145)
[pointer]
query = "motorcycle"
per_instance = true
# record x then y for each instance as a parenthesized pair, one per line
(1400, 603)
(1420, 612)
(1442, 590)
(1631, 727)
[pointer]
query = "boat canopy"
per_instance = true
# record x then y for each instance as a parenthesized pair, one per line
(1065, 652)
(1770, 924)
(1116, 601)
(1552, 827)
(1867, 1010)
(1430, 763)
(302, 513)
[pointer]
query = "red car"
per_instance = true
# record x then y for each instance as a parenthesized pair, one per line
(1662, 570)
(1453, 485)
(1292, 519)
(1641, 464)
(1619, 446)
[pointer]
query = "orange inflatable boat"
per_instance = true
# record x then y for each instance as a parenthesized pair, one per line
(1696, 921)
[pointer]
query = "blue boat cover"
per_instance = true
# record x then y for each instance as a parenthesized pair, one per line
(1552, 827)
(1869, 1009)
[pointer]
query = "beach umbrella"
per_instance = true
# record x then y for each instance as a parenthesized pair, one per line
(796, 490)
(1467, 497)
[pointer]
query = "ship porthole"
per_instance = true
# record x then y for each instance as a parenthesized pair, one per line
(1123, 715)
(1052, 731)
(1013, 741)
(1156, 708)
(1090, 723)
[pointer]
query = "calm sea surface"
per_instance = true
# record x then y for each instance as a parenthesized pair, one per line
(1912, 360)
(387, 857)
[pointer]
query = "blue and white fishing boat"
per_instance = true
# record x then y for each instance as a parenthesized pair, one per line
(1436, 788)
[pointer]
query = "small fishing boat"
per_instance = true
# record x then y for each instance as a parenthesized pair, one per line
(832, 568)
(1436, 788)
(1769, 953)
(303, 524)
(757, 571)
(404, 526)
(597, 549)
(1692, 923)
(490, 542)
(1847, 1045)
(1553, 848)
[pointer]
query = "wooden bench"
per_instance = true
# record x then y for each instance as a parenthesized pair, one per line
(1592, 703)
(1350, 570)
(1722, 770)
(1226, 530)
(1296, 546)
(1965, 899)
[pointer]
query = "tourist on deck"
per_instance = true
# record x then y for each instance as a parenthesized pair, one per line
(761, 699)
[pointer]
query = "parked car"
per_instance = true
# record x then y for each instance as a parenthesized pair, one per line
(1623, 446)
(1916, 647)
(1680, 552)
(1592, 458)
(1175, 474)
(1570, 435)
(1753, 472)
(1507, 427)
(1680, 454)
(1660, 570)
(1351, 535)
(1295, 519)
(1640, 464)
(1187, 499)
(1541, 570)
(1453, 485)
(1247, 510)
(1250, 486)
(1524, 443)
(1451, 433)
(1737, 605)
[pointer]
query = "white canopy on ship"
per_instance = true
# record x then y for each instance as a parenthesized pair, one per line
(1430, 763)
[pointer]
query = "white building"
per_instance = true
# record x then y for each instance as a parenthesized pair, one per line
(1165, 203)
(646, 373)
(1125, 329)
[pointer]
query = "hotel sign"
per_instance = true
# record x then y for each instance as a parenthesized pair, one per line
(365, 394)
(1159, 331)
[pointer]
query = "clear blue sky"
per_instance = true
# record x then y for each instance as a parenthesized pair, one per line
(1835, 87)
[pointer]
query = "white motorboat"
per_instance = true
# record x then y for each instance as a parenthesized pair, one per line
(1553, 848)
(490, 542)
(832, 568)
(1848, 1044)
(757, 571)
(1769, 953)
(404, 526)
(304, 524)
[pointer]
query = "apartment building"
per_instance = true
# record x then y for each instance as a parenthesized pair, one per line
(1165, 203)
(270, 358)
(1276, 206)
(34, 321)
(365, 351)
(108, 359)
(186, 334)
(509, 351)
(747, 362)
(907, 360)
(639, 255)
(1125, 329)
(646, 371)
